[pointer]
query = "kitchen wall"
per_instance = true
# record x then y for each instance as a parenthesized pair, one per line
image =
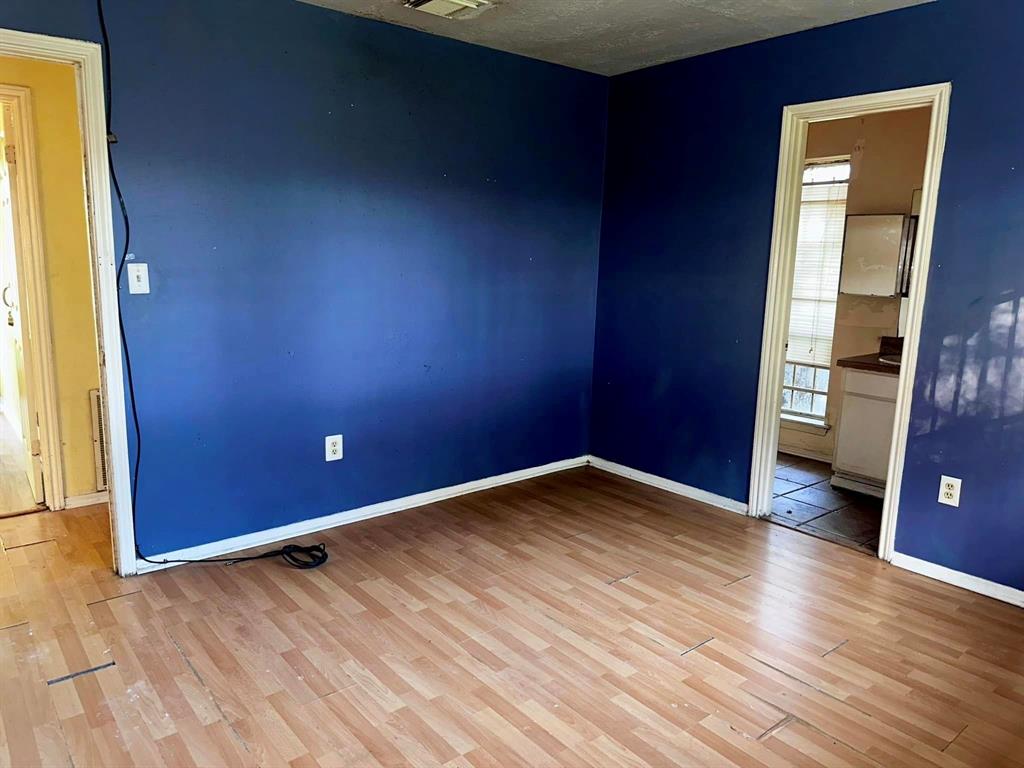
(888, 152)
(66, 246)
(692, 160)
(351, 228)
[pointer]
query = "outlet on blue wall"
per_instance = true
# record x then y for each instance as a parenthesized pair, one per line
(343, 240)
(684, 264)
(351, 227)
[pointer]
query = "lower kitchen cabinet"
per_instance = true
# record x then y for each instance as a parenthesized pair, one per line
(864, 433)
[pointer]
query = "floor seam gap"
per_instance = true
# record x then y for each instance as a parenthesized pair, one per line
(786, 720)
(830, 650)
(958, 735)
(73, 675)
(213, 699)
(622, 578)
(108, 599)
(698, 645)
(27, 544)
(838, 740)
(811, 686)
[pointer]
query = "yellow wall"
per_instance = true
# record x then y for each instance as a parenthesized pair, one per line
(888, 167)
(66, 244)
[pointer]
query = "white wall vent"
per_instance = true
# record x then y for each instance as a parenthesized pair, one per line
(449, 9)
(99, 439)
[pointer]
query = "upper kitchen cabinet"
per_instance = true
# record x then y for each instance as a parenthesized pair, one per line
(876, 255)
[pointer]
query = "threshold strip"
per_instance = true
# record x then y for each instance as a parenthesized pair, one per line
(73, 675)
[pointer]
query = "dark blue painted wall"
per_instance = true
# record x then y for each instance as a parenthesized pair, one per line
(342, 238)
(354, 228)
(693, 148)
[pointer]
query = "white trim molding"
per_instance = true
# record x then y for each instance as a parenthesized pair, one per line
(792, 147)
(959, 579)
(803, 453)
(315, 525)
(87, 60)
(304, 527)
(86, 500)
(810, 426)
(681, 489)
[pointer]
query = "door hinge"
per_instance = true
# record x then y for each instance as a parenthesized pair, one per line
(11, 154)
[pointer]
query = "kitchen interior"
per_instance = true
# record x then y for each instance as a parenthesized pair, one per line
(858, 225)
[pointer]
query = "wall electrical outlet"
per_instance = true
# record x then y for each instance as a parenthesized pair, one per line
(949, 491)
(334, 447)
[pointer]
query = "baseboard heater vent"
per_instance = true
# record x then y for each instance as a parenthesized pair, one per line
(99, 439)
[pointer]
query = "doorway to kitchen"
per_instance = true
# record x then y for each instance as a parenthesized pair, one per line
(858, 181)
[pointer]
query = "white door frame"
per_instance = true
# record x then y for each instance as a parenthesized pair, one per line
(792, 148)
(37, 342)
(87, 60)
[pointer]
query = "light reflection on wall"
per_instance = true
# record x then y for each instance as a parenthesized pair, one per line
(980, 371)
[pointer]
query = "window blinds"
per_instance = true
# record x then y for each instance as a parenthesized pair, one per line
(819, 253)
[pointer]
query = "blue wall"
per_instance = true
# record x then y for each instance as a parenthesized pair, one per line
(341, 240)
(693, 148)
(354, 228)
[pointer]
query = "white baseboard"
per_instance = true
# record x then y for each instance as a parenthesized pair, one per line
(86, 499)
(803, 453)
(303, 527)
(853, 484)
(960, 579)
(704, 497)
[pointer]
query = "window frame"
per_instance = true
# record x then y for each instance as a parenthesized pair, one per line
(805, 416)
(792, 414)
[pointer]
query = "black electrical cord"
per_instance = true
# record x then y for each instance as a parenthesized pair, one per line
(295, 555)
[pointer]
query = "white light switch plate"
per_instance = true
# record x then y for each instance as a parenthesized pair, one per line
(334, 446)
(138, 278)
(949, 491)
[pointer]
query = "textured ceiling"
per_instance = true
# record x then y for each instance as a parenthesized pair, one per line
(614, 36)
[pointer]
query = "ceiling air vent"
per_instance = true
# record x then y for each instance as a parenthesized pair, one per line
(449, 9)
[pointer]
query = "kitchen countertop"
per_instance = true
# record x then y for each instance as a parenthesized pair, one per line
(868, 363)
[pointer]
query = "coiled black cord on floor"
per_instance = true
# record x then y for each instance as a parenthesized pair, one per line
(297, 556)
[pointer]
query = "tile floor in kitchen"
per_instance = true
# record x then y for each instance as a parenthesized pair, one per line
(804, 500)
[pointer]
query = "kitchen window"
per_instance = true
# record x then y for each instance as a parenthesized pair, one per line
(805, 390)
(812, 319)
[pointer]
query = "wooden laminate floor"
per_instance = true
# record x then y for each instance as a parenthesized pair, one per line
(576, 619)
